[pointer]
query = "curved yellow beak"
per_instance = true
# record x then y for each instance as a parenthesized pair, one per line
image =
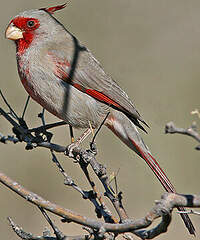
(13, 33)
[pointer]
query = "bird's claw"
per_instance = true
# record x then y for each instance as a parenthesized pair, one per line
(70, 148)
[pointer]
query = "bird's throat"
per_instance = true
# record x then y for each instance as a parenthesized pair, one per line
(24, 43)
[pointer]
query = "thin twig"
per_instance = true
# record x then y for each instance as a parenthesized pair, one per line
(9, 138)
(47, 126)
(101, 173)
(8, 105)
(67, 179)
(191, 131)
(162, 209)
(93, 139)
(57, 232)
(19, 128)
(46, 234)
(25, 107)
(20, 232)
(41, 115)
(103, 209)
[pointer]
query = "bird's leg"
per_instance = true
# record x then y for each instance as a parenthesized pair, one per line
(71, 133)
(92, 129)
(75, 144)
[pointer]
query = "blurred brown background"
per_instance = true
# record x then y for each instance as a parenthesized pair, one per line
(152, 49)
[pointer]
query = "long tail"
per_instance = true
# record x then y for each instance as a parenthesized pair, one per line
(128, 133)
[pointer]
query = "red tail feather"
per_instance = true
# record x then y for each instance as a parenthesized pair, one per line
(128, 133)
(157, 170)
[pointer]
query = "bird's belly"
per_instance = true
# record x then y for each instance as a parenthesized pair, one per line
(67, 103)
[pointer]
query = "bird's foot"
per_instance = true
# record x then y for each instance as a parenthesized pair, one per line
(75, 145)
(70, 149)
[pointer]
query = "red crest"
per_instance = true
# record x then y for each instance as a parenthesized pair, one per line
(51, 10)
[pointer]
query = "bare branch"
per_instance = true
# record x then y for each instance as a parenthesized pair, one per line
(46, 234)
(70, 216)
(20, 232)
(191, 131)
(47, 126)
(88, 157)
(52, 146)
(9, 138)
(39, 137)
(101, 209)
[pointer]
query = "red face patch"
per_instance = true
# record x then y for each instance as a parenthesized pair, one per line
(27, 26)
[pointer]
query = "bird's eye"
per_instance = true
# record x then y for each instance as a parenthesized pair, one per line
(30, 23)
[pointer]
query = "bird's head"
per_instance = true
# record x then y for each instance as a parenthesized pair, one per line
(32, 24)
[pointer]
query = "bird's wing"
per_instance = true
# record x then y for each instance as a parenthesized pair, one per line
(84, 72)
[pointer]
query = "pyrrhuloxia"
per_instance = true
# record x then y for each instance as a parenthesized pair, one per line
(63, 76)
